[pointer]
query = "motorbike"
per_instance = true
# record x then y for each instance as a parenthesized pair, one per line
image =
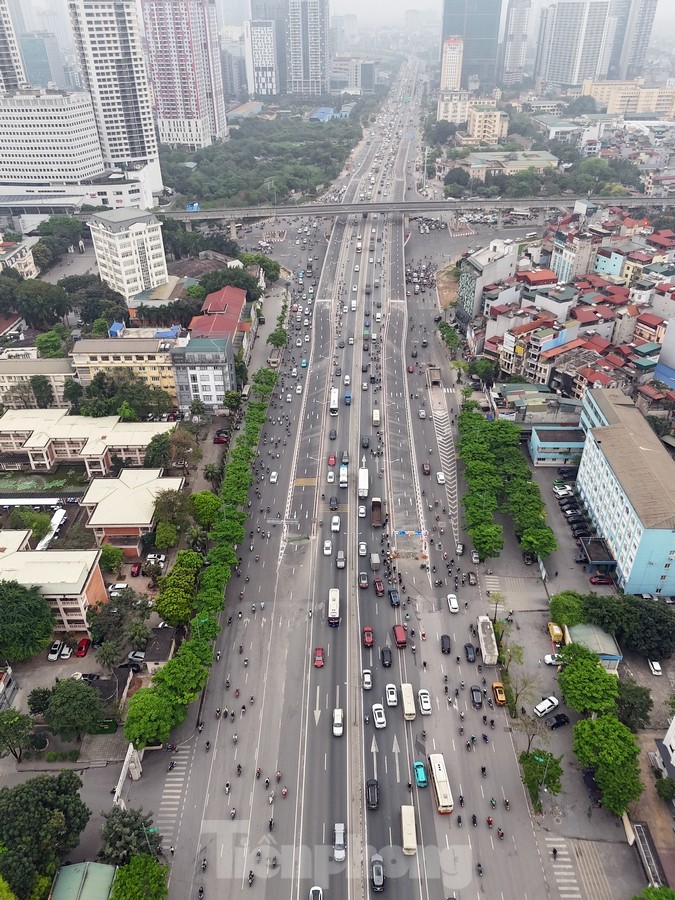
(233, 812)
(459, 821)
(204, 865)
(500, 834)
(171, 765)
(479, 869)
(474, 821)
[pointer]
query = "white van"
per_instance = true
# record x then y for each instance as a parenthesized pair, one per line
(378, 317)
(353, 305)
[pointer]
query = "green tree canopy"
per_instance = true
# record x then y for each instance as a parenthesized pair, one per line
(49, 344)
(587, 687)
(634, 705)
(74, 707)
(142, 878)
(110, 389)
(42, 391)
(111, 558)
(24, 517)
(150, 718)
(127, 833)
(610, 748)
(157, 452)
(27, 621)
(15, 731)
(567, 608)
(205, 508)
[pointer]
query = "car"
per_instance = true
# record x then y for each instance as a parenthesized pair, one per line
(553, 659)
(363, 548)
(460, 549)
(332, 434)
(219, 439)
(128, 664)
(318, 658)
(339, 842)
(394, 597)
(298, 389)
(157, 558)
(333, 503)
(367, 679)
(424, 700)
(446, 645)
(654, 667)
(364, 385)
(338, 722)
(425, 342)
(385, 656)
(453, 604)
(362, 512)
(475, 558)
(557, 721)
(372, 793)
(391, 695)
(592, 787)
(476, 696)
(377, 873)
(335, 523)
(332, 459)
(499, 693)
(570, 511)
(356, 267)
(426, 469)
(289, 398)
(470, 653)
(363, 579)
(368, 636)
(378, 584)
(90, 676)
(354, 288)
(303, 363)
(348, 378)
(307, 339)
(117, 587)
(136, 656)
(420, 773)
(327, 548)
(330, 478)
(365, 442)
(414, 354)
(379, 718)
(55, 651)
(473, 581)
(561, 492)
(83, 647)
(274, 477)
(298, 342)
(440, 478)
(581, 533)
(135, 570)
(411, 369)
(600, 579)
(528, 558)
(547, 705)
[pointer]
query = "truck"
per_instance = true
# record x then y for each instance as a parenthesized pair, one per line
(376, 512)
(363, 483)
(374, 561)
(486, 638)
(343, 476)
(433, 376)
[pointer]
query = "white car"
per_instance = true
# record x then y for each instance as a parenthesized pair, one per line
(362, 512)
(379, 718)
(363, 549)
(367, 676)
(158, 558)
(55, 651)
(391, 695)
(335, 523)
(289, 398)
(327, 548)
(338, 722)
(654, 667)
(453, 603)
(117, 587)
(330, 478)
(553, 659)
(364, 385)
(356, 267)
(440, 478)
(348, 380)
(546, 706)
(424, 700)
(298, 342)
(307, 339)
(561, 492)
(475, 558)
(274, 477)
(354, 288)
(298, 389)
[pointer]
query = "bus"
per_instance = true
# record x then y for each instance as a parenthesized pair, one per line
(408, 700)
(440, 783)
(408, 830)
(245, 391)
(334, 403)
(531, 235)
(333, 607)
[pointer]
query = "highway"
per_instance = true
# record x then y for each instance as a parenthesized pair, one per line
(283, 714)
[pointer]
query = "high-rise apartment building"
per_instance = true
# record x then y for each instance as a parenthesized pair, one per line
(108, 42)
(275, 11)
(634, 22)
(477, 23)
(185, 71)
(451, 63)
(12, 75)
(42, 59)
(129, 250)
(515, 41)
(234, 66)
(575, 41)
(262, 70)
(308, 47)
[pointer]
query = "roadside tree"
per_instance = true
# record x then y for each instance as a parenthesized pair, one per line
(151, 717)
(205, 508)
(610, 748)
(568, 608)
(27, 621)
(38, 700)
(587, 687)
(15, 732)
(166, 536)
(142, 878)
(633, 705)
(173, 507)
(74, 708)
(127, 833)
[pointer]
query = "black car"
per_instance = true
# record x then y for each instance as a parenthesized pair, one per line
(446, 647)
(557, 721)
(567, 470)
(129, 665)
(90, 676)
(528, 558)
(580, 560)
(364, 367)
(594, 792)
(576, 520)
(332, 434)
(476, 696)
(341, 345)
(394, 597)
(385, 654)
(372, 793)
(414, 354)
(437, 319)
(470, 653)
(425, 342)
(333, 503)
(365, 442)
(568, 503)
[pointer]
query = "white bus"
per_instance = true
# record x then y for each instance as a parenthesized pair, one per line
(376, 418)
(408, 830)
(245, 392)
(333, 607)
(408, 699)
(531, 235)
(334, 403)
(440, 783)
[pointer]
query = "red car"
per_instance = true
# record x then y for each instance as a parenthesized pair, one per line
(331, 459)
(600, 579)
(363, 579)
(411, 369)
(318, 658)
(136, 570)
(220, 439)
(379, 587)
(83, 647)
(368, 636)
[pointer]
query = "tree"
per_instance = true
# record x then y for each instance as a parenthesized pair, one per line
(587, 687)
(150, 718)
(73, 393)
(581, 106)
(40, 823)
(157, 452)
(232, 400)
(531, 728)
(166, 536)
(111, 558)
(109, 389)
(213, 473)
(540, 541)
(610, 748)
(198, 408)
(40, 303)
(656, 893)
(198, 538)
(100, 327)
(42, 391)
(108, 655)
(488, 539)
(278, 338)
(138, 634)
(633, 705)
(173, 507)
(205, 508)
(567, 608)
(38, 701)
(49, 344)
(15, 731)
(27, 621)
(126, 412)
(24, 517)
(74, 707)
(183, 448)
(142, 878)
(665, 788)
(127, 833)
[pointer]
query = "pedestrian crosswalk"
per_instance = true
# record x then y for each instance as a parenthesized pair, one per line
(171, 802)
(564, 871)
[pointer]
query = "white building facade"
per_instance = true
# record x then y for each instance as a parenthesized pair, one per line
(12, 75)
(515, 41)
(575, 41)
(451, 63)
(129, 251)
(262, 72)
(308, 47)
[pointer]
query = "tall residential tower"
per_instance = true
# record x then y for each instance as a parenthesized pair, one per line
(575, 42)
(515, 41)
(12, 75)
(185, 71)
(308, 47)
(477, 23)
(634, 22)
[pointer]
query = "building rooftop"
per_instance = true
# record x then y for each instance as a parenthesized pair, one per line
(53, 571)
(117, 220)
(27, 367)
(128, 499)
(638, 459)
(87, 880)
(123, 345)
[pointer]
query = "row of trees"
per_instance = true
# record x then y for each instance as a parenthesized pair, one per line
(498, 478)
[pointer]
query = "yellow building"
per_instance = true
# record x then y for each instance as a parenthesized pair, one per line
(487, 125)
(631, 97)
(148, 358)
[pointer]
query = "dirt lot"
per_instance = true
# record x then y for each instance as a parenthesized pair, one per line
(447, 284)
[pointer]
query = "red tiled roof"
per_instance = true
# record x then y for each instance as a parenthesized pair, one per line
(217, 326)
(616, 361)
(538, 276)
(597, 343)
(576, 344)
(638, 256)
(583, 315)
(650, 391)
(227, 299)
(650, 320)
(595, 377)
